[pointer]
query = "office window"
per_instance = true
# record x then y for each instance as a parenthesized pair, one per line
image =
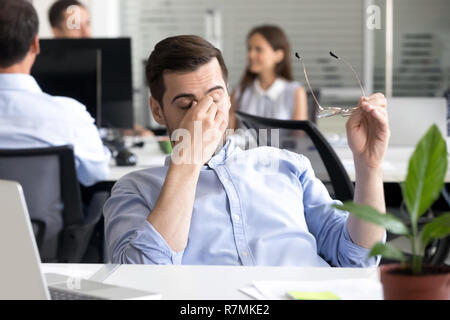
(421, 61)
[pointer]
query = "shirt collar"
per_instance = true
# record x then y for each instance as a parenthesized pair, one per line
(217, 159)
(274, 90)
(18, 81)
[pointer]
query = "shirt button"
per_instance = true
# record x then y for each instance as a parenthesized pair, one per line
(225, 180)
(244, 253)
(236, 217)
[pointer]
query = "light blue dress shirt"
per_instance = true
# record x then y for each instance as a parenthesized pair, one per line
(247, 211)
(30, 118)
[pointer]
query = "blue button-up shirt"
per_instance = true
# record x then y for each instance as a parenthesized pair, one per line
(262, 206)
(29, 118)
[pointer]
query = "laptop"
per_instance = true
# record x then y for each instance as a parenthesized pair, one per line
(411, 117)
(21, 277)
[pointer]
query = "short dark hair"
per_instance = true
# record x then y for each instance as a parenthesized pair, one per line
(56, 11)
(183, 53)
(19, 25)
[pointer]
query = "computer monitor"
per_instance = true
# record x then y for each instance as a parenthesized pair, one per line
(75, 74)
(112, 106)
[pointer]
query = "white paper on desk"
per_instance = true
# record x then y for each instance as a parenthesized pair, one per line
(252, 292)
(346, 289)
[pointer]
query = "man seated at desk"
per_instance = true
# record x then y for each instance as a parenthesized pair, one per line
(30, 118)
(227, 208)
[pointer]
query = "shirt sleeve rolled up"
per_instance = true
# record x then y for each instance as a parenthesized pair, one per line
(329, 225)
(130, 238)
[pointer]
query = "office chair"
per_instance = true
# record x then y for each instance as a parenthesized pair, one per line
(438, 250)
(52, 193)
(341, 184)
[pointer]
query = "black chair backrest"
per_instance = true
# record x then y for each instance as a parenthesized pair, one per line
(52, 192)
(342, 185)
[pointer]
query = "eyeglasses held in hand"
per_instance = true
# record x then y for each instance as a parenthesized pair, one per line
(325, 112)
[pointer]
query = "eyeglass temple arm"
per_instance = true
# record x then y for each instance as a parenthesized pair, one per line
(307, 80)
(351, 68)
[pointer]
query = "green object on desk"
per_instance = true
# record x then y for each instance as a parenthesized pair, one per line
(322, 295)
(165, 146)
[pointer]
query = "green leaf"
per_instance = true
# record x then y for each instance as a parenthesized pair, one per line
(436, 229)
(367, 213)
(387, 251)
(426, 173)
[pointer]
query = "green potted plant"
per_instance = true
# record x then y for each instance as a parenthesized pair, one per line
(411, 279)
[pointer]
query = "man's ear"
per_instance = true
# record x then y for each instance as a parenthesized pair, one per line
(35, 47)
(157, 111)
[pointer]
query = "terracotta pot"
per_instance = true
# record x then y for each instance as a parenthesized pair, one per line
(399, 285)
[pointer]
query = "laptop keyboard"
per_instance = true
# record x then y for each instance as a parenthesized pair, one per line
(59, 294)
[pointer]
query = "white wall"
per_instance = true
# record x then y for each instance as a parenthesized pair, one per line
(42, 7)
(105, 17)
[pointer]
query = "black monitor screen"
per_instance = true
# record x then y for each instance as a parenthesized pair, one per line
(71, 74)
(115, 89)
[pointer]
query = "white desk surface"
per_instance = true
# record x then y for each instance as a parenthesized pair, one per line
(148, 156)
(395, 163)
(207, 282)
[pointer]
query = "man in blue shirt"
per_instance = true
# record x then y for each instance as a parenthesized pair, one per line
(229, 207)
(29, 118)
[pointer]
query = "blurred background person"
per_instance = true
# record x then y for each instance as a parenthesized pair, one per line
(267, 88)
(30, 118)
(70, 19)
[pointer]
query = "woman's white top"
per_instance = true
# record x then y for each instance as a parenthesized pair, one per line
(277, 102)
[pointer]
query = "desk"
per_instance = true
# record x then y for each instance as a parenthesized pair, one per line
(150, 155)
(207, 282)
(395, 164)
